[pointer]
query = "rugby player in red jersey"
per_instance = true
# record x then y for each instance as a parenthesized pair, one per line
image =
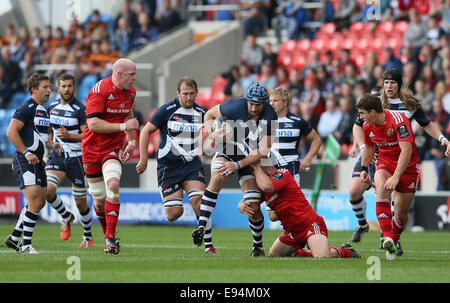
(109, 120)
(302, 225)
(396, 168)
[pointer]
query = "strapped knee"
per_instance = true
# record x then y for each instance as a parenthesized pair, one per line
(252, 196)
(195, 192)
(97, 190)
(52, 179)
(173, 202)
(79, 192)
(112, 170)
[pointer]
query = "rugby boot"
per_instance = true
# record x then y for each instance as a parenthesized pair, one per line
(258, 252)
(65, 227)
(355, 253)
(197, 235)
(361, 230)
(16, 245)
(112, 246)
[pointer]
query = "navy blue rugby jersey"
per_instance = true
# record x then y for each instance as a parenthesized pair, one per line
(247, 133)
(291, 129)
(34, 134)
(419, 115)
(180, 130)
(72, 116)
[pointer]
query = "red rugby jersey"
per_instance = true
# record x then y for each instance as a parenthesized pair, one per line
(289, 202)
(111, 104)
(396, 128)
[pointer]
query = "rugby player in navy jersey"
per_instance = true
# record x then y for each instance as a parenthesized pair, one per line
(252, 123)
(28, 133)
(68, 119)
(291, 129)
(179, 168)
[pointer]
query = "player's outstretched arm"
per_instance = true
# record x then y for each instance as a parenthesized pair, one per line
(433, 130)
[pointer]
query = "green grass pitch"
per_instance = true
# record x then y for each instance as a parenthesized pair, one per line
(165, 254)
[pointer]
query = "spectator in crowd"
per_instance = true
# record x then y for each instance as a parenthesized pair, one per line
(95, 23)
(146, 33)
(406, 55)
(246, 79)
(371, 62)
(410, 76)
(253, 16)
(269, 55)
(5, 91)
(404, 7)
(10, 35)
(430, 77)
(344, 13)
(329, 119)
(252, 54)
(313, 60)
(416, 32)
(430, 57)
(267, 77)
(11, 69)
(36, 39)
(350, 75)
(337, 77)
(344, 130)
(324, 81)
(295, 85)
(311, 94)
(282, 76)
(127, 13)
(376, 78)
(327, 61)
(435, 32)
(327, 13)
(21, 45)
(423, 93)
(233, 88)
(308, 114)
(345, 58)
(123, 36)
(391, 62)
(168, 18)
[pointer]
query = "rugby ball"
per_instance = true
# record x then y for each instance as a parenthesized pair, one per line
(220, 123)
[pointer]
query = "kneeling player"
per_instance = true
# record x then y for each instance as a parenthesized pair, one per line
(302, 225)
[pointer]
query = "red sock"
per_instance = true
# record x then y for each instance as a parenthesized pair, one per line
(397, 230)
(342, 252)
(302, 253)
(101, 218)
(112, 207)
(384, 215)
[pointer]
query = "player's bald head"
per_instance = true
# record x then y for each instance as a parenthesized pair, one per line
(124, 73)
(123, 64)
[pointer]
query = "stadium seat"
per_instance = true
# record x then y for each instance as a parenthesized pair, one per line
(363, 43)
(298, 61)
(395, 43)
(385, 27)
(219, 83)
(336, 42)
(356, 28)
(350, 42)
(319, 44)
(283, 59)
(203, 99)
(85, 86)
(303, 45)
(328, 29)
(401, 26)
(17, 100)
(217, 97)
(288, 46)
(378, 43)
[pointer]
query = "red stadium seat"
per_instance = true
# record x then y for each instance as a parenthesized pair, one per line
(219, 83)
(363, 43)
(385, 27)
(336, 42)
(356, 28)
(328, 28)
(395, 43)
(378, 43)
(217, 97)
(360, 60)
(283, 59)
(350, 42)
(303, 45)
(401, 26)
(288, 46)
(319, 44)
(203, 99)
(298, 61)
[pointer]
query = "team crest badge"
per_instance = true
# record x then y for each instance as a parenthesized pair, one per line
(390, 132)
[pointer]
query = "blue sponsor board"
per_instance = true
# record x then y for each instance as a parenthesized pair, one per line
(146, 207)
